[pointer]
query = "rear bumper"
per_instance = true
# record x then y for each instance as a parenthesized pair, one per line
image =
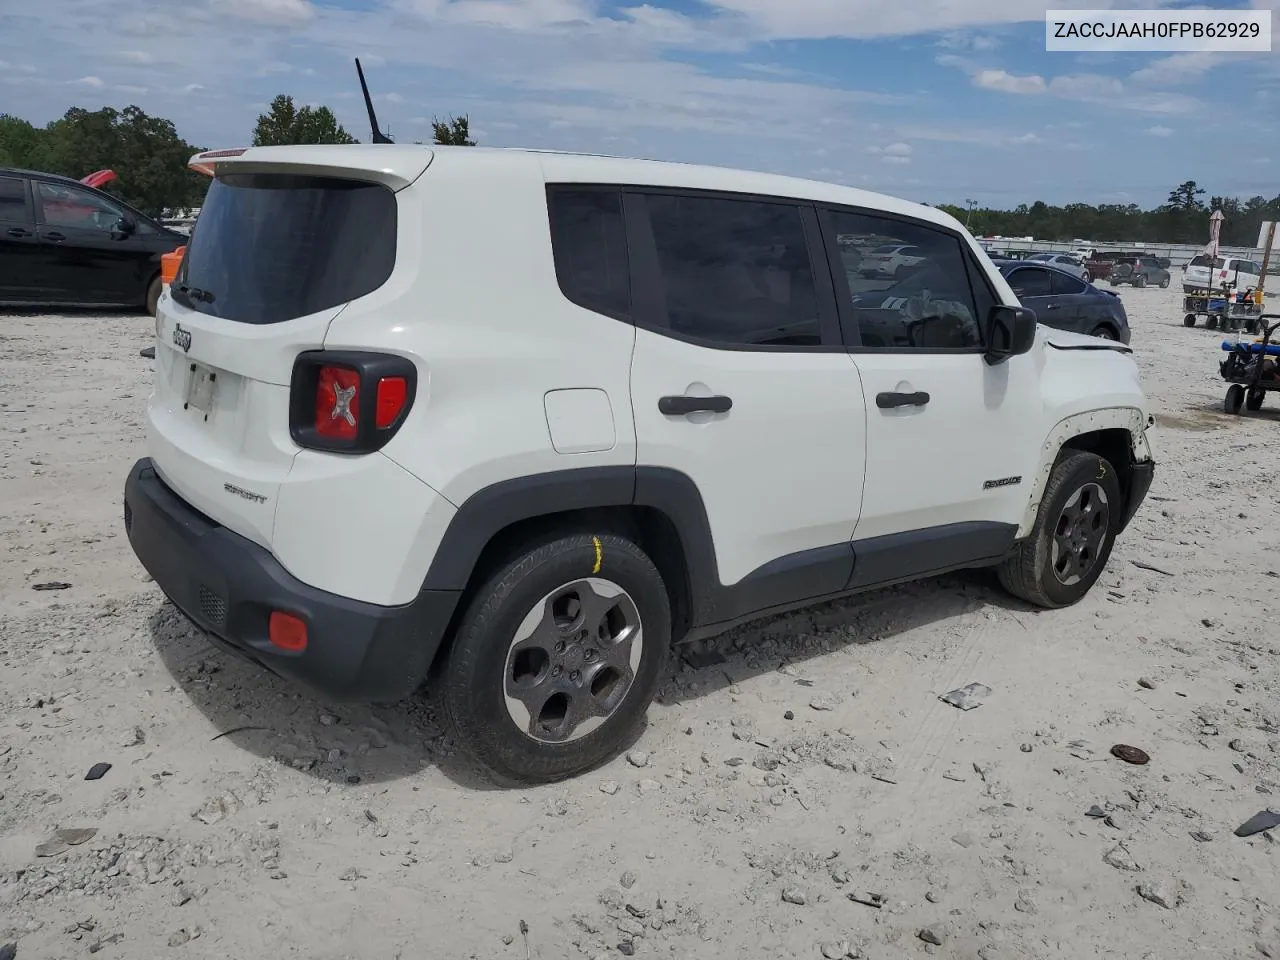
(228, 587)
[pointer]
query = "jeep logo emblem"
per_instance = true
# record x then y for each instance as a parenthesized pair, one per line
(182, 337)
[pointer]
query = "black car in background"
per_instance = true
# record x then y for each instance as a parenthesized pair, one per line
(1140, 272)
(1066, 302)
(66, 244)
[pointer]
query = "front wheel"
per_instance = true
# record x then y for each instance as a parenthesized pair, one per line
(1234, 399)
(1104, 333)
(1140, 280)
(1087, 277)
(1253, 399)
(1068, 547)
(1189, 320)
(557, 658)
(1164, 284)
(153, 296)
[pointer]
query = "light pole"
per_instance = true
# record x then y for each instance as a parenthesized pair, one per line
(969, 215)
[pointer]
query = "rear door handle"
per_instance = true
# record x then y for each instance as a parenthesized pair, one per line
(887, 401)
(18, 232)
(55, 237)
(681, 405)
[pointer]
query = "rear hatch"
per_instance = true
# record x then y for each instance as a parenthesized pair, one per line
(1201, 270)
(286, 238)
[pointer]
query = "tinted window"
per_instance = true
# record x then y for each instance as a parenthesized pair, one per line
(271, 247)
(1063, 283)
(1203, 261)
(13, 200)
(75, 209)
(589, 244)
(735, 271)
(1031, 282)
(919, 297)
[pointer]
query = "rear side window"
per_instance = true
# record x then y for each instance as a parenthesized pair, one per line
(272, 247)
(1064, 283)
(589, 244)
(1031, 282)
(1204, 260)
(735, 272)
(13, 201)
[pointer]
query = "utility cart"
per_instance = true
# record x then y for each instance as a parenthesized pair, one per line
(1225, 309)
(1252, 369)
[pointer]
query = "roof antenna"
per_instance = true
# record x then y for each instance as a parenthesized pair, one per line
(378, 135)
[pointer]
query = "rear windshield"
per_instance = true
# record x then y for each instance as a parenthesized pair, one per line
(1205, 260)
(271, 247)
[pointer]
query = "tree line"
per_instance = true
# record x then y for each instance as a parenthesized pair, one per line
(150, 161)
(1182, 218)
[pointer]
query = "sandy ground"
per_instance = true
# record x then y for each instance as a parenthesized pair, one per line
(786, 766)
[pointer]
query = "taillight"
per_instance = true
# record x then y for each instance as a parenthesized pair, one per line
(349, 401)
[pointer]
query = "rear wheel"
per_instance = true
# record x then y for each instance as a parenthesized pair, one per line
(1140, 280)
(1087, 277)
(1164, 284)
(1106, 333)
(1189, 320)
(557, 658)
(1068, 547)
(1253, 399)
(153, 295)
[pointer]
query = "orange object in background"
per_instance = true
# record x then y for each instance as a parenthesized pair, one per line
(169, 263)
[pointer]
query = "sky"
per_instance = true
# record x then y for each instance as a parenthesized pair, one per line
(931, 100)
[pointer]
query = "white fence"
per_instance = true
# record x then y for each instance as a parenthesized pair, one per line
(1178, 253)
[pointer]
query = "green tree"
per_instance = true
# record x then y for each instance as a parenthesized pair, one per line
(1186, 196)
(21, 144)
(453, 131)
(284, 124)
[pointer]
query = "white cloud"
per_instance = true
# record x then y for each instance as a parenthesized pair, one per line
(1007, 82)
(1093, 88)
(94, 82)
(279, 12)
(1160, 131)
(1179, 68)
(129, 89)
(1026, 139)
(135, 56)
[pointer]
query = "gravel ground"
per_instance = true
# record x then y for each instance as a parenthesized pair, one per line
(792, 772)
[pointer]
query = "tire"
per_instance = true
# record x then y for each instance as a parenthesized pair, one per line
(1189, 320)
(1087, 277)
(154, 289)
(1113, 283)
(1084, 486)
(1253, 400)
(1164, 284)
(1211, 323)
(1140, 280)
(1105, 332)
(1234, 399)
(489, 665)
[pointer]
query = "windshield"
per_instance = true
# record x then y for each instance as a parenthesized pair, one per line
(1041, 256)
(887, 248)
(272, 247)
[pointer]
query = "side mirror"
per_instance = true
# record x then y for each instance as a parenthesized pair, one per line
(1010, 331)
(125, 227)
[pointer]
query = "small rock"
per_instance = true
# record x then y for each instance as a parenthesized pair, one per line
(631, 927)
(1160, 893)
(1259, 823)
(1121, 859)
(1117, 821)
(649, 786)
(181, 896)
(217, 809)
(794, 895)
(1096, 812)
(1025, 748)
(932, 896)
(135, 738)
(1147, 683)
(179, 938)
(1236, 745)
(97, 771)
(835, 949)
(789, 715)
(824, 701)
(627, 949)
(508, 939)
(628, 880)
(638, 758)
(931, 935)
(1202, 836)
(610, 787)
(327, 719)
(964, 839)
(1024, 904)
(351, 875)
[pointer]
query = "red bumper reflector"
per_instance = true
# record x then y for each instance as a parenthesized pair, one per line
(392, 393)
(287, 631)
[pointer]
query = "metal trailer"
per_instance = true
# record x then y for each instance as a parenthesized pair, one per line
(1252, 369)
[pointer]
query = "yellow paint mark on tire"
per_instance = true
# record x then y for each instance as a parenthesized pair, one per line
(599, 555)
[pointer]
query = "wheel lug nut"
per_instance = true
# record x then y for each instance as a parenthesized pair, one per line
(589, 655)
(575, 676)
(557, 670)
(559, 646)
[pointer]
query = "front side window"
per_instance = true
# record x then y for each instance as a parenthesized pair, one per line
(72, 208)
(1031, 282)
(735, 272)
(918, 297)
(589, 245)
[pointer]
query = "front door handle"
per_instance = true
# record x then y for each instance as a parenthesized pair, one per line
(19, 232)
(55, 237)
(887, 401)
(679, 406)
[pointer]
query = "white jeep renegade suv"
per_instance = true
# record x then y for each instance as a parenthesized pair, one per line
(524, 419)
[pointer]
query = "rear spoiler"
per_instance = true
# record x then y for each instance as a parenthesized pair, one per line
(205, 161)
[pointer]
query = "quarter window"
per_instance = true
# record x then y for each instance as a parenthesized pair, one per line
(1031, 282)
(1065, 283)
(13, 200)
(589, 245)
(907, 284)
(735, 272)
